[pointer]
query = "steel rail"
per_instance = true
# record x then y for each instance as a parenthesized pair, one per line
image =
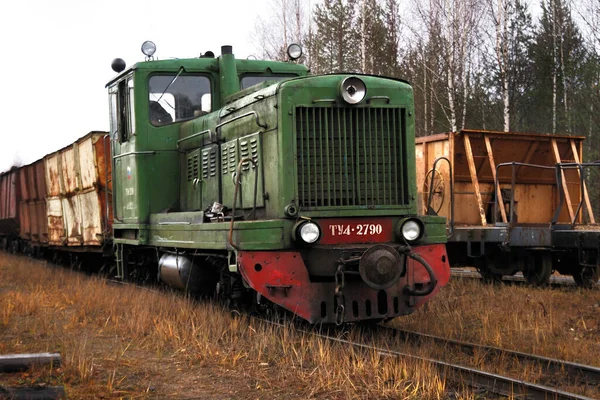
(493, 383)
(583, 373)
(498, 384)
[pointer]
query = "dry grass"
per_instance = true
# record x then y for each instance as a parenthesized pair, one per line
(561, 323)
(558, 323)
(121, 341)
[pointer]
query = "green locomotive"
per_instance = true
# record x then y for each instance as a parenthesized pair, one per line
(260, 183)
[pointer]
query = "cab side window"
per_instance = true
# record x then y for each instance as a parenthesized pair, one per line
(177, 97)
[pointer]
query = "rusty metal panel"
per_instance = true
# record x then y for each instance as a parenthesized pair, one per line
(87, 163)
(90, 217)
(53, 174)
(103, 179)
(22, 182)
(25, 224)
(56, 227)
(37, 205)
(40, 180)
(69, 169)
(72, 220)
(42, 221)
(10, 198)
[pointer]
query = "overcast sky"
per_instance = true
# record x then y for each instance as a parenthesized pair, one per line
(55, 58)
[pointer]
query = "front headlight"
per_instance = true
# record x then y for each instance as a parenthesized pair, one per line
(411, 230)
(309, 232)
(353, 90)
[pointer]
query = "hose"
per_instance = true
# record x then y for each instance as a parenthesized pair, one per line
(432, 283)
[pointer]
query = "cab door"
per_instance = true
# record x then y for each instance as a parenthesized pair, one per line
(122, 132)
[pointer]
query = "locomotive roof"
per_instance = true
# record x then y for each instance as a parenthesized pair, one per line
(212, 64)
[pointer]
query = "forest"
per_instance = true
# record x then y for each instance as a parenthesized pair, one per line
(503, 65)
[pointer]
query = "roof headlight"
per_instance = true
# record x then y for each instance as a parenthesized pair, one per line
(294, 51)
(353, 90)
(308, 232)
(148, 48)
(411, 230)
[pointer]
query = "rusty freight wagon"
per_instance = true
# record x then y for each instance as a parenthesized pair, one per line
(79, 209)
(514, 201)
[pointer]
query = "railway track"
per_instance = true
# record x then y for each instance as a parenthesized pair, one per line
(479, 380)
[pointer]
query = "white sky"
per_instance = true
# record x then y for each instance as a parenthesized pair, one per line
(55, 58)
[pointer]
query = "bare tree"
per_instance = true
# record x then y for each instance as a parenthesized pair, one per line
(500, 11)
(286, 25)
(456, 23)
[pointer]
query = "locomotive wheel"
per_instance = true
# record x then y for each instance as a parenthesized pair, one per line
(587, 276)
(538, 269)
(437, 191)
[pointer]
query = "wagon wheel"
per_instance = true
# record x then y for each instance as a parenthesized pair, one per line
(538, 269)
(436, 191)
(587, 276)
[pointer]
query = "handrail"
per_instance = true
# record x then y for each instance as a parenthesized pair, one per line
(264, 126)
(512, 164)
(195, 135)
(107, 151)
(581, 167)
(134, 153)
(429, 196)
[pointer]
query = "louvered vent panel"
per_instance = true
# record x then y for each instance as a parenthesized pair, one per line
(193, 164)
(209, 163)
(229, 157)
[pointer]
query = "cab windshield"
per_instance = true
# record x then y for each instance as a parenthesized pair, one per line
(177, 97)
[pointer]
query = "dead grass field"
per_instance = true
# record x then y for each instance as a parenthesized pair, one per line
(127, 342)
(122, 341)
(559, 323)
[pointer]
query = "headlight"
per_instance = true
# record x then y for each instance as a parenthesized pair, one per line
(353, 90)
(411, 230)
(309, 232)
(148, 48)
(294, 51)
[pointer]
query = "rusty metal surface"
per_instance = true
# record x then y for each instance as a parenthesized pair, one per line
(32, 207)
(76, 177)
(9, 202)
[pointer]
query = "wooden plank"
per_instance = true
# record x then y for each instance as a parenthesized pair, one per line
(532, 149)
(586, 197)
(473, 172)
(488, 146)
(36, 392)
(563, 181)
(20, 362)
(425, 169)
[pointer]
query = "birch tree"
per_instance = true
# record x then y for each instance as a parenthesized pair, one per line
(286, 25)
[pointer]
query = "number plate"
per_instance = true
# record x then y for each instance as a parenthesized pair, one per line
(356, 230)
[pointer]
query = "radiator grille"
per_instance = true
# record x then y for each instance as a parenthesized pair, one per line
(351, 156)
